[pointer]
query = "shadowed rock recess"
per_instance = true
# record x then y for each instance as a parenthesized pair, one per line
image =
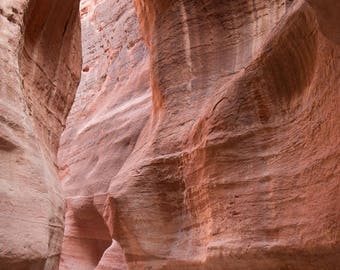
(204, 134)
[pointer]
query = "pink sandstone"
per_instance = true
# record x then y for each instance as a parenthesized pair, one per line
(233, 162)
(204, 134)
(40, 65)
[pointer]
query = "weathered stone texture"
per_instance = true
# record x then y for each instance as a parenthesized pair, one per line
(204, 135)
(40, 65)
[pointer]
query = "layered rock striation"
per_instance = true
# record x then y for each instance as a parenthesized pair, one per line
(226, 159)
(40, 63)
(112, 106)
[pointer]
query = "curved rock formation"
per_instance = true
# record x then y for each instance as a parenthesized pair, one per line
(113, 93)
(235, 166)
(39, 72)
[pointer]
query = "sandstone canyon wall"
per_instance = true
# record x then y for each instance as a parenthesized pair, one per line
(204, 134)
(40, 64)
(226, 159)
(112, 106)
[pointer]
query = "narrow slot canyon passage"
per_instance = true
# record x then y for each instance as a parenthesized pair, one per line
(172, 134)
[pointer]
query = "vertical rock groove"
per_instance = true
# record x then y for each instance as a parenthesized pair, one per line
(49, 64)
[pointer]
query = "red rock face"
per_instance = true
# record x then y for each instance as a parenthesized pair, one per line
(226, 159)
(112, 106)
(39, 72)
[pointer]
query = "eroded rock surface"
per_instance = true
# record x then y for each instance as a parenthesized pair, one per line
(235, 164)
(40, 63)
(111, 108)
